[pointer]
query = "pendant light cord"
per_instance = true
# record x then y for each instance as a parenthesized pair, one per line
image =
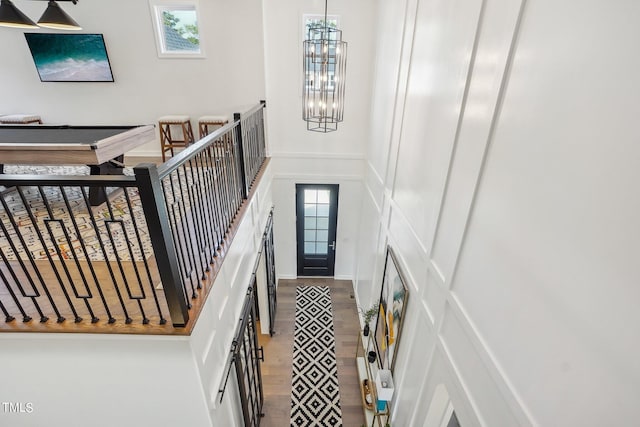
(326, 24)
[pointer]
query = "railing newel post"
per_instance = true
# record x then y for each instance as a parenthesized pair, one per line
(152, 199)
(241, 151)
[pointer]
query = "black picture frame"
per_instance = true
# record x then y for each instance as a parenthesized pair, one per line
(394, 295)
(61, 57)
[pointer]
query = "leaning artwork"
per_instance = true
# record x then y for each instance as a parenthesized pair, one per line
(393, 300)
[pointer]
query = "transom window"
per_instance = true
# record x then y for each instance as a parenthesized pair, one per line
(317, 21)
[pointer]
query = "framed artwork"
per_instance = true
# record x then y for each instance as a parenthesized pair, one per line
(70, 57)
(393, 302)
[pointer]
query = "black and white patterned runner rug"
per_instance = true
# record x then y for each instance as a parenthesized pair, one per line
(315, 397)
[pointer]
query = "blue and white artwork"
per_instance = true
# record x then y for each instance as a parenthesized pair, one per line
(70, 57)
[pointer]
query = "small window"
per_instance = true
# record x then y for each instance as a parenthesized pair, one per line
(310, 22)
(177, 30)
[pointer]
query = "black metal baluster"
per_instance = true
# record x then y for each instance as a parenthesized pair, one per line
(136, 228)
(235, 160)
(43, 319)
(207, 208)
(209, 190)
(195, 234)
(230, 167)
(186, 231)
(215, 194)
(174, 218)
(198, 195)
(65, 268)
(25, 316)
(7, 317)
(123, 272)
(81, 239)
(226, 184)
(220, 188)
(35, 293)
(105, 254)
(46, 250)
(118, 258)
(173, 226)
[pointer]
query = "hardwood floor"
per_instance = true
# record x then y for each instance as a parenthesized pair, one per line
(276, 369)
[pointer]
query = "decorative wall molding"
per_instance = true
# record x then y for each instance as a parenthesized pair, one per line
(316, 178)
(316, 156)
(508, 394)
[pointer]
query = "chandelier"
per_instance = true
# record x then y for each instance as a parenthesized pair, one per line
(324, 65)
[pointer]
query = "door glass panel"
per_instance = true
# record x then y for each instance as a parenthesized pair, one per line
(310, 209)
(323, 210)
(310, 196)
(310, 223)
(316, 221)
(323, 196)
(316, 210)
(323, 224)
(310, 248)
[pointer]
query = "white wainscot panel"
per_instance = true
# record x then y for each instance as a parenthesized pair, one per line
(413, 359)
(202, 332)
(480, 382)
(284, 227)
(412, 255)
(441, 387)
(390, 28)
(433, 296)
(368, 234)
(374, 186)
(442, 50)
(349, 217)
(499, 23)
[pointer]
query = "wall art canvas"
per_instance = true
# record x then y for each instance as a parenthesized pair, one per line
(393, 302)
(70, 57)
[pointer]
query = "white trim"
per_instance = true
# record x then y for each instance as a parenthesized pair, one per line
(317, 178)
(494, 371)
(332, 156)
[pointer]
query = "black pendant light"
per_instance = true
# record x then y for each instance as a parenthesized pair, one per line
(10, 16)
(55, 17)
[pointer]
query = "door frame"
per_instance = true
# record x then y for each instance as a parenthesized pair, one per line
(333, 227)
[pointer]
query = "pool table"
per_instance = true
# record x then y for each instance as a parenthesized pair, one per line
(102, 148)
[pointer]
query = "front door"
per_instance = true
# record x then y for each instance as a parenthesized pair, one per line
(316, 219)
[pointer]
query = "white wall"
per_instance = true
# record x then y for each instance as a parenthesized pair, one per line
(312, 170)
(506, 192)
(301, 156)
(100, 380)
(146, 87)
(283, 61)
